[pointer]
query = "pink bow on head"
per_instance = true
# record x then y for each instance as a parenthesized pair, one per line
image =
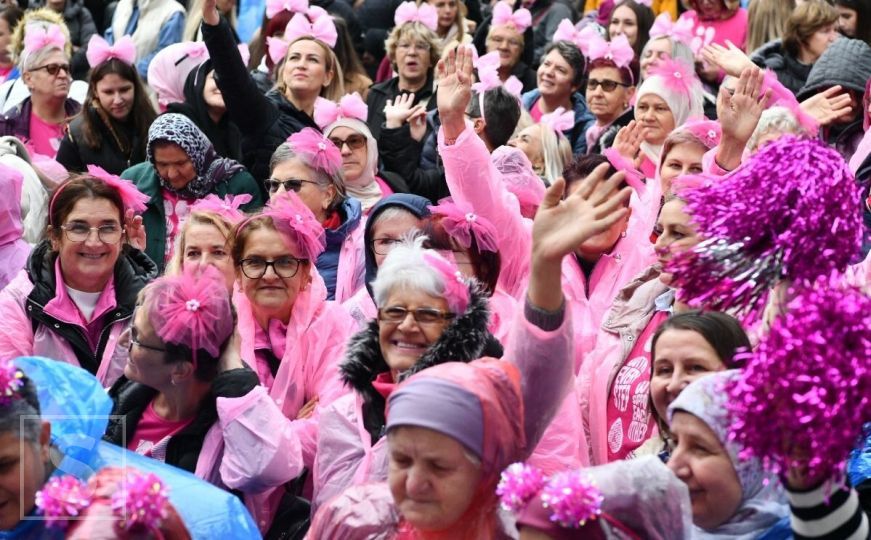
(520, 19)
(682, 30)
(566, 31)
(350, 106)
(707, 131)
(488, 76)
(559, 120)
(274, 7)
(36, 37)
(318, 150)
(425, 14)
(277, 49)
(618, 50)
(228, 207)
(132, 198)
(460, 222)
(322, 29)
(456, 288)
(100, 51)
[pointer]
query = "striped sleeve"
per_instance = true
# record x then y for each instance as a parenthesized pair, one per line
(838, 517)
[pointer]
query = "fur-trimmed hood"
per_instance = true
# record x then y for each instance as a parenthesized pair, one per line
(464, 340)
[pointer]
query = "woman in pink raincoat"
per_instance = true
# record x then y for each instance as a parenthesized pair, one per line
(76, 294)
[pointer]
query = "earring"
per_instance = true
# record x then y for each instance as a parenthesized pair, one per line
(623, 234)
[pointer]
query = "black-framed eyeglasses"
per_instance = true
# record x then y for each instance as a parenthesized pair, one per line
(383, 246)
(354, 142)
(424, 316)
(79, 232)
(607, 85)
(53, 69)
(293, 184)
(134, 340)
(285, 267)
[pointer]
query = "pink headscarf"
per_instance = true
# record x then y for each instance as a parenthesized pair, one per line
(170, 67)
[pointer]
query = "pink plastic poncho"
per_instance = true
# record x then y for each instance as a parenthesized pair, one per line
(13, 249)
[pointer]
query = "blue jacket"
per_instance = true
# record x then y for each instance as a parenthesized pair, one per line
(583, 119)
(328, 261)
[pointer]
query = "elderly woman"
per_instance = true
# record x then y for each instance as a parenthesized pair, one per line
(506, 36)
(182, 168)
(308, 70)
(76, 295)
(610, 91)
(633, 20)
(414, 50)
(310, 165)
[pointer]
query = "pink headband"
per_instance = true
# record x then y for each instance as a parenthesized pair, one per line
(502, 16)
(425, 14)
(317, 149)
(460, 222)
(131, 197)
(488, 78)
(570, 496)
(676, 75)
(100, 51)
(456, 288)
(36, 37)
(681, 30)
(566, 31)
(293, 218)
(227, 208)
(350, 106)
(11, 381)
(559, 120)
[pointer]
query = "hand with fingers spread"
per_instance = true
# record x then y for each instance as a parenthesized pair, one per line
(135, 230)
(628, 140)
(739, 114)
(417, 124)
(399, 110)
(828, 106)
(210, 12)
(730, 59)
(455, 90)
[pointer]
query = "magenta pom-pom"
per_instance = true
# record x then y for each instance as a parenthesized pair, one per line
(62, 498)
(814, 368)
(792, 212)
(140, 501)
(519, 484)
(572, 499)
(11, 381)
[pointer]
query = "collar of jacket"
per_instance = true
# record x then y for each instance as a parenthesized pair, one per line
(351, 212)
(390, 87)
(285, 107)
(634, 304)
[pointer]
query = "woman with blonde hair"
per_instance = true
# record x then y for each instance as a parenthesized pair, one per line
(192, 32)
(453, 27)
(766, 21)
(546, 147)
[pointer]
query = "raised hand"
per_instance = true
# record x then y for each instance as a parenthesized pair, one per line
(455, 84)
(828, 106)
(135, 230)
(730, 59)
(628, 140)
(739, 113)
(398, 111)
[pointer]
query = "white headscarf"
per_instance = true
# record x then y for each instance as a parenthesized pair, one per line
(365, 188)
(682, 106)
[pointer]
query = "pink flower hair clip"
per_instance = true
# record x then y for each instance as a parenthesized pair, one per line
(100, 51)
(409, 12)
(680, 30)
(677, 76)
(294, 219)
(350, 106)
(319, 150)
(559, 120)
(460, 222)
(228, 207)
(141, 501)
(132, 198)
(571, 496)
(504, 16)
(488, 77)
(62, 498)
(707, 131)
(566, 31)
(11, 382)
(37, 37)
(456, 286)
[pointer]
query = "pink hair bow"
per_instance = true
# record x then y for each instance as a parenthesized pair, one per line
(293, 218)
(227, 208)
(36, 37)
(682, 30)
(566, 31)
(460, 221)
(319, 150)
(425, 14)
(559, 120)
(677, 75)
(488, 76)
(618, 50)
(11, 381)
(456, 287)
(322, 29)
(274, 7)
(132, 198)
(520, 19)
(276, 48)
(100, 51)
(350, 106)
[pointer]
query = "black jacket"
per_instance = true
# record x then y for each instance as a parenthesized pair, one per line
(401, 155)
(131, 399)
(464, 340)
(790, 72)
(75, 154)
(132, 272)
(381, 92)
(263, 121)
(606, 139)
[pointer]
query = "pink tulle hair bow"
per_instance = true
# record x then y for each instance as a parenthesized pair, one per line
(559, 120)
(141, 501)
(294, 219)
(36, 37)
(132, 198)
(228, 207)
(11, 381)
(488, 76)
(100, 51)
(566, 31)
(520, 19)
(425, 14)
(274, 7)
(456, 286)
(319, 150)
(460, 222)
(322, 29)
(618, 50)
(707, 131)
(681, 30)
(571, 496)
(350, 106)
(677, 76)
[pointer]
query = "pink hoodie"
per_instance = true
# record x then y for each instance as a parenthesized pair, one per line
(13, 249)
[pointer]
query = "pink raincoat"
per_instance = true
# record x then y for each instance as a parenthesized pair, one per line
(352, 267)
(361, 308)
(13, 249)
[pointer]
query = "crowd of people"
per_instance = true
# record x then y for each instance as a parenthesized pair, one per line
(447, 269)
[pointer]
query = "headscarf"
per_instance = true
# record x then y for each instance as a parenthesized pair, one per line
(365, 189)
(489, 386)
(211, 169)
(170, 67)
(762, 506)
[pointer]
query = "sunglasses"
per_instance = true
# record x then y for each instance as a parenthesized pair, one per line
(294, 184)
(354, 142)
(607, 86)
(53, 69)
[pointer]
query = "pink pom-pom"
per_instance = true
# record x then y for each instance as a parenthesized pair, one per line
(11, 381)
(572, 499)
(518, 485)
(62, 498)
(140, 501)
(814, 364)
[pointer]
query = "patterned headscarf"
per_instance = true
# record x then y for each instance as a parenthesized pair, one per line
(211, 169)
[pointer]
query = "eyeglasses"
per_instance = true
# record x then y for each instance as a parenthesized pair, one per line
(285, 267)
(383, 246)
(607, 86)
(354, 142)
(423, 316)
(53, 69)
(79, 232)
(499, 41)
(294, 184)
(134, 340)
(416, 46)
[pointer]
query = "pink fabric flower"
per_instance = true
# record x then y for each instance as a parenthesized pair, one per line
(36, 37)
(322, 154)
(294, 219)
(460, 222)
(132, 198)
(11, 381)
(350, 106)
(677, 76)
(425, 14)
(681, 30)
(707, 131)
(559, 120)
(62, 498)
(456, 288)
(140, 501)
(227, 208)
(100, 51)
(323, 29)
(503, 16)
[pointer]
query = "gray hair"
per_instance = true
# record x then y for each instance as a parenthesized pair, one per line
(406, 269)
(30, 60)
(775, 119)
(285, 153)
